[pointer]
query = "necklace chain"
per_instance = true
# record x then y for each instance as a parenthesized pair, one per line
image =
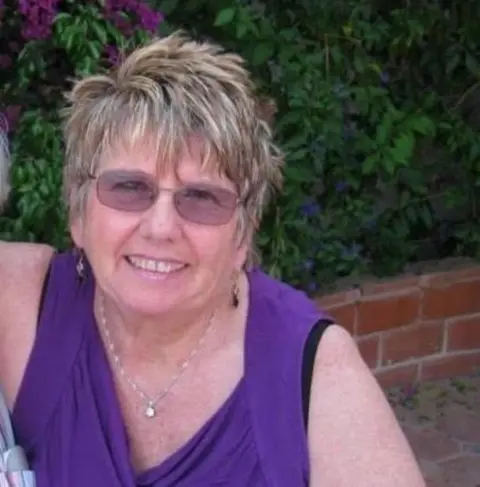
(150, 408)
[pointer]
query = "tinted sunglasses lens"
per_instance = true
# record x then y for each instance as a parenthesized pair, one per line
(126, 190)
(206, 205)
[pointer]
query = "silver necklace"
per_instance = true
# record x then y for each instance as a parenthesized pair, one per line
(151, 404)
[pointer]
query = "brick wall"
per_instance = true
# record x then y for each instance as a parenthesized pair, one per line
(414, 328)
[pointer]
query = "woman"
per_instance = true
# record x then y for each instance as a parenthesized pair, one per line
(154, 354)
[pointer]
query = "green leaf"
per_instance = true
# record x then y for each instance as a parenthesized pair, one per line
(168, 6)
(472, 64)
(100, 31)
(225, 16)
(422, 125)
(370, 164)
(262, 53)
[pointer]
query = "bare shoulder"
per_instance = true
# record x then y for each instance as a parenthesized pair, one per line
(23, 267)
(354, 437)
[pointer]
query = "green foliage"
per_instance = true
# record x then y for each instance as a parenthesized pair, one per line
(81, 41)
(377, 112)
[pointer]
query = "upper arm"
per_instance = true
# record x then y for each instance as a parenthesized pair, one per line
(354, 437)
(22, 272)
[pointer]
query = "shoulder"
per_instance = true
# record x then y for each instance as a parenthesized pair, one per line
(24, 252)
(23, 268)
(351, 423)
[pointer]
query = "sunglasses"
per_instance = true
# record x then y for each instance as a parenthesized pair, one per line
(136, 191)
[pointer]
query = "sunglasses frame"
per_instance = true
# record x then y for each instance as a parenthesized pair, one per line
(147, 177)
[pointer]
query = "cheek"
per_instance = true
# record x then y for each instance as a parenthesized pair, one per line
(107, 228)
(217, 248)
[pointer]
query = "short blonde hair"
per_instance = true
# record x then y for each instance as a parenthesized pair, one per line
(168, 90)
(4, 169)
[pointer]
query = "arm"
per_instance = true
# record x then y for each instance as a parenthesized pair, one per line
(22, 271)
(354, 437)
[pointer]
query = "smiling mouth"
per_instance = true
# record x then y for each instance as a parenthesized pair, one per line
(153, 265)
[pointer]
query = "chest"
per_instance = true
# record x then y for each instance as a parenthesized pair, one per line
(180, 415)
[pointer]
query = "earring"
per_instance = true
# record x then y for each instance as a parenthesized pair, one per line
(235, 294)
(80, 267)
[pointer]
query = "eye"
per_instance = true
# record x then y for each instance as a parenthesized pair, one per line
(200, 194)
(132, 185)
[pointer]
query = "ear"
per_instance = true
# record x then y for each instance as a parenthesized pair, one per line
(243, 249)
(77, 231)
(241, 255)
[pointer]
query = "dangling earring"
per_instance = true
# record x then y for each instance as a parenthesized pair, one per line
(80, 267)
(235, 294)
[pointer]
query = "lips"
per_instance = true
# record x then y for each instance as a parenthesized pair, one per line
(155, 265)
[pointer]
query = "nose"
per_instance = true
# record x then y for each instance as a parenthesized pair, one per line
(161, 221)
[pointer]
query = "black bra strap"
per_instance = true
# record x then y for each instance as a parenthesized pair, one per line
(309, 354)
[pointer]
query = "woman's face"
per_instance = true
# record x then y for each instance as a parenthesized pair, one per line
(155, 261)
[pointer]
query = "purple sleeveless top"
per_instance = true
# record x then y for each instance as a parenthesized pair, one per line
(68, 419)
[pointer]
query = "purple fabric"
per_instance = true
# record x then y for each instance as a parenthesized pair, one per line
(68, 419)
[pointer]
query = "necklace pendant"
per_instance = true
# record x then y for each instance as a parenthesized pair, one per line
(150, 411)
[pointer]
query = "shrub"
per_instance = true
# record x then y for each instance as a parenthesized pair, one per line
(45, 45)
(376, 112)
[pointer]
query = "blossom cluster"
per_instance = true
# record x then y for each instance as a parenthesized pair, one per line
(140, 15)
(39, 16)
(126, 15)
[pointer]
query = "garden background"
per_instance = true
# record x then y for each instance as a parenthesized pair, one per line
(378, 112)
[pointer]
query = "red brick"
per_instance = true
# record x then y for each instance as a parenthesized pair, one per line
(388, 312)
(345, 316)
(412, 342)
(400, 375)
(464, 334)
(389, 285)
(369, 349)
(450, 366)
(442, 279)
(456, 299)
(337, 299)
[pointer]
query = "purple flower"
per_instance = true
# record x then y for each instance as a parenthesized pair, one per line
(371, 224)
(308, 264)
(310, 208)
(341, 186)
(141, 14)
(312, 286)
(113, 54)
(410, 391)
(384, 78)
(39, 16)
(122, 23)
(349, 130)
(149, 19)
(352, 251)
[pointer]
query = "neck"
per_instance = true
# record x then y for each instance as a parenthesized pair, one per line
(160, 339)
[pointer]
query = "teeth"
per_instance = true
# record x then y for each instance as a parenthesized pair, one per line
(155, 265)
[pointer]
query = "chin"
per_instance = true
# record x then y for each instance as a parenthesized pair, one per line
(148, 303)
